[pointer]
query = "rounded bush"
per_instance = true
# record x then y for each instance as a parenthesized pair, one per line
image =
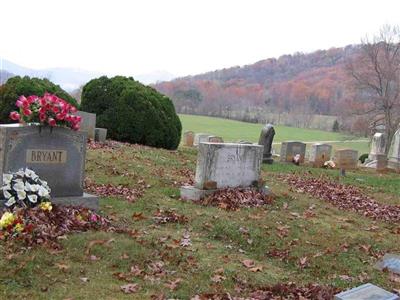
(132, 112)
(17, 86)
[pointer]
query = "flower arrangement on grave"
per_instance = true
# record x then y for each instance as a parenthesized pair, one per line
(24, 188)
(48, 110)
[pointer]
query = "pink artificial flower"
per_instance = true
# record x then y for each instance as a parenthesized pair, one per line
(51, 122)
(78, 118)
(56, 109)
(42, 101)
(60, 116)
(73, 109)
(76, 127)
(18, 103)
(15, 116)
(42, 110)
(93, 218)
(26, 112)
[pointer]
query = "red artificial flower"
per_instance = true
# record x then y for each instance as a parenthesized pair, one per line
(42, 117)
(26, 112)
(60, 116)
(15, 116)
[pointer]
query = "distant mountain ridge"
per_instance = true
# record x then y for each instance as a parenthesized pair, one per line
(70, 79)
(312, 83)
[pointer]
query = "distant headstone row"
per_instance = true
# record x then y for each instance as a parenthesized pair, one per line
(190, 139)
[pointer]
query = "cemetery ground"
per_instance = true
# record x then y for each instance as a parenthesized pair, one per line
(181, 249)
(234, 131)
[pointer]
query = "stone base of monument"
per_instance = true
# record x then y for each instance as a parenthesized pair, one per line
(86, 200)
(394, 165)
(268, 160)
(366, 291)
(194, 194)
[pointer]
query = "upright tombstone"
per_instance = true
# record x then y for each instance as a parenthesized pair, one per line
(100, 135)
(215, 139)
(56, 154)
(320, 153)
(346, 159)
(88, 123)
(222, 165)
(394, 152)
(201, 138)
(188, 138)
(266, 139)
(290, 149)
(378, 146)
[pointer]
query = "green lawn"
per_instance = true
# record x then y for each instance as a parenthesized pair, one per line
(232, 131)
(333, 241)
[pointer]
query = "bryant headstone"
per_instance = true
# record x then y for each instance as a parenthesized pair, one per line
(378, 145)
(56, 154)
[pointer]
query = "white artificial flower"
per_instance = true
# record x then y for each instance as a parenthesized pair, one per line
(19, 186)
(20, 173)
(6, 187)
(33, 198)
(10, 201)
(21, 195)
(18, 180)
(6, 194)
(43, 192)
(7, 178)
(29, 173)
(34, 187)
(27, 186)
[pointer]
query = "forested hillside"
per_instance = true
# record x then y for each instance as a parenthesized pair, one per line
(298, 84)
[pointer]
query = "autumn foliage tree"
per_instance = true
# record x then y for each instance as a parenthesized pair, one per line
(376, 77)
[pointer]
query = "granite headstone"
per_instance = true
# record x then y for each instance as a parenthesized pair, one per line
(266, 138)
(222, 165)
(100, 135)
(56, 154)
(88, 123)
(346, 159)
(320, 153)
(291, 148)
(188, 138)
(394, 152)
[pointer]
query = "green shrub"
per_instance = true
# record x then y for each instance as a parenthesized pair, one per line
(132, 112)
(17, 86)
(363, 157)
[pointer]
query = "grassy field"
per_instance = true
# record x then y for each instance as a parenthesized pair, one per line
(335, 242)
(232, 130)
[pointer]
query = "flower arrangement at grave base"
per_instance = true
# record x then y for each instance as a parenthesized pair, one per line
(48, 110)
(24, 188)
(46, 223)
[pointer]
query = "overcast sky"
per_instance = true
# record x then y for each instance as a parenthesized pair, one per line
(179, 36)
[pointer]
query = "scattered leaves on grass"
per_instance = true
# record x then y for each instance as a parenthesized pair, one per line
(169, 216)
(235, 198)
(278, 291)
(130, 288)
(173, 284)
(109, 190)
(346, 197)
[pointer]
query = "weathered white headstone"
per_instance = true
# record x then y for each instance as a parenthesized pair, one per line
(346, 158)
(56, 154)
(201, 138)
(291, 148)
(320, 153)
(88, 123)
(224, 165)
(215, 139)
(366, 291)
(378, 145)
(394, 152)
